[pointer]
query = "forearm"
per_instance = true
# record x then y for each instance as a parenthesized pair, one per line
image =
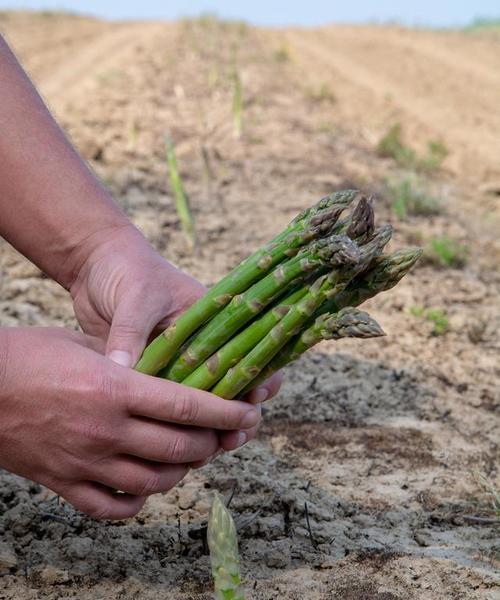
(52, 207)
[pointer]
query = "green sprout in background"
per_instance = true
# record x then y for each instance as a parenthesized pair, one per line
(443, 251)
(411, 197)
(321, 94)
(223, 545)
(281, 54)
(436, 316)
(181, 199)
(237, 103)
(391, 145)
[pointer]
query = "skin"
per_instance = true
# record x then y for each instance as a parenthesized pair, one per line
(74, 415)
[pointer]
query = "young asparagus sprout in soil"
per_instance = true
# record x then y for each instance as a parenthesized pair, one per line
(301, 288)
(223, 545)
(181, 199)
(237, 104)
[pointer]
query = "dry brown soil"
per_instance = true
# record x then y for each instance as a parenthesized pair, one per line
(385, 440)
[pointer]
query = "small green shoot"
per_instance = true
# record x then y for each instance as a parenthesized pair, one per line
(222, 541)
(237, 104)
(491, 491)
(443, 251)
(322, 94)
(436, 153)
(410, 197)
(392, 146)
(417, 311)
(483, 24)
(439, 318)
(281, 54)
(436, 316)
(181, 199)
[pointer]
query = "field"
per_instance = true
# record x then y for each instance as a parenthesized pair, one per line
(392, 444)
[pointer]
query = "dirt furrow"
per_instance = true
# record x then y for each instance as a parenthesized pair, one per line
(391, 75)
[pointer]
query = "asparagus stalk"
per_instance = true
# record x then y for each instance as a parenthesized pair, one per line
(247, 369)
(334, 251)
(181, 199)
(384, 275)
(237, 104)
(223, 544)
(361, 224)
(250, 365)
(386, 272)
(349, 322)
(312, 224)
(215, 367)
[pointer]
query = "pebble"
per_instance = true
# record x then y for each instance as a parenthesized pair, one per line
(79, 548)
(8, 558)
(52, 575)
(278, 556)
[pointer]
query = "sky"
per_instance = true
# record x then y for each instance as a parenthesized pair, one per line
(281, 12)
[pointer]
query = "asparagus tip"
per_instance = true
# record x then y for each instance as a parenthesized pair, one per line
(352, 322)
(362, 219)
(338, 250)
(223, 544)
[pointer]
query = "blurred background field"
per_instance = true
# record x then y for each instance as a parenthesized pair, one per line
(392, 443)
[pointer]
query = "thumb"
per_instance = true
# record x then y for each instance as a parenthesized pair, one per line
(130, 329)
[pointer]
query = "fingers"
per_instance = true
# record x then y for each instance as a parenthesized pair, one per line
(137, 477)
(230, 440)
(101, 502)
(132, 324)
(266, 390)
(163, 400)
(164, 443)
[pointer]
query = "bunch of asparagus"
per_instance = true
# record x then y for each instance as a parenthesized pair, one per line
(301, 288)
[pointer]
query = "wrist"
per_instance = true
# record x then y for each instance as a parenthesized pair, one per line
(96, 246)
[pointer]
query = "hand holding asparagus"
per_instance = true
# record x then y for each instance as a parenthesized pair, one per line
(296, 291)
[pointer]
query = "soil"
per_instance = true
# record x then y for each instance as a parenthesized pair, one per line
(387, 442)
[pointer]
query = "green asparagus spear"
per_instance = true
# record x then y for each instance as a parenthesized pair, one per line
(223, 544)
(215, 367)
(349, 322)
(386, 272)
(250, 365)
(384, 275)
(312, 224)
(361, 224)
(368, 253)
(334, 251)
(238, 377)
(181, 199)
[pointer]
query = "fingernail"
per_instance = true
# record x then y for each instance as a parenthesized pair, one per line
(250, 419)
(121, 358)
(261, 395)
(242, 439)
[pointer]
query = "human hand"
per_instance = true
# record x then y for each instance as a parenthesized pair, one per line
(125, 292)
(83, 426)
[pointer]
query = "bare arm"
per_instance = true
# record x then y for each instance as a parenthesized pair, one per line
(54, 211)
(52, 207)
